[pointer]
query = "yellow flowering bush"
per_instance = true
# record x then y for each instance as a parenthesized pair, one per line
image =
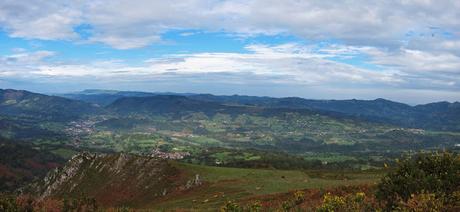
(352, 202)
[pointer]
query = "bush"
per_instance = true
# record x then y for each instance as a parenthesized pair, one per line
(351, 202)
(423, 202)
(331, 203)
(255, 207)
(437, 174)
(299, 197)
(231, 206)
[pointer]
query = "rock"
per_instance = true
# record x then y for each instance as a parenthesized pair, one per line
(128, 176)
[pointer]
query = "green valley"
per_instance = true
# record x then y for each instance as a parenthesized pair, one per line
(188, 152)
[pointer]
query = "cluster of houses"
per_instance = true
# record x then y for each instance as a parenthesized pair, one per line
(168, 155)
(77, 128)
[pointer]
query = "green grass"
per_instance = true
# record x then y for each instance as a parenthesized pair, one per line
(224, 184)
(275, 180)
(64, 153)
(300, 131)
(205, 141)
(228, 156)
(329, 157)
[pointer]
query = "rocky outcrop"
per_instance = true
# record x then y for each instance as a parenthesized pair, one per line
(193, 182)
(61, 176)
(115, 179)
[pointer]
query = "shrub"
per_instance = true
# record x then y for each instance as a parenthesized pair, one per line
(437, 173)
(255, 207)
(331, 203)
(423, 202)
(231, 206)
(351, 202)
(299, 197)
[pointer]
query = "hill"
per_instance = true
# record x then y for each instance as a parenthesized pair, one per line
(115, 180)
(162, 104)
(188, 124)
(106, 97)
(31, 116)
(435, 116)
(439, 115)
(20, 103)
(21, 164)
(27, 128)
(158, 184)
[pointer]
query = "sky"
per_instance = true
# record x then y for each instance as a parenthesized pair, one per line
(406, 50)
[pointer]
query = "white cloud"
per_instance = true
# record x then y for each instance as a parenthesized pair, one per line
(408, 44)
(419, 68)
(47, 20)
(417, 61)
(23, 58)
(287, 63)
(125, 42)
(137, 23)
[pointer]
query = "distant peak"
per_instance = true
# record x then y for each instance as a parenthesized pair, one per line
(97, 91)
(381, 99)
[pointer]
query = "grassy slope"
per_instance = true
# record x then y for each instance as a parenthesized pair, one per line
(223, 184)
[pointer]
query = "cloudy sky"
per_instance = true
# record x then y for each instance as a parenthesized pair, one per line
(407, 50)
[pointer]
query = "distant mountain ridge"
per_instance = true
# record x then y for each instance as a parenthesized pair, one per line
(438, 115)
(159, 104)
(24, 103)
(180, 105)
(106, 97)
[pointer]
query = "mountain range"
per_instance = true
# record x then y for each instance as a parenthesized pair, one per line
(436, 116)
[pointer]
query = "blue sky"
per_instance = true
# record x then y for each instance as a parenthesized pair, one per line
(407, 51)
